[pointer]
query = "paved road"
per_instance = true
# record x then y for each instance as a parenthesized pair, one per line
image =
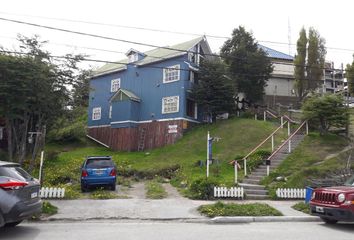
(93, 230)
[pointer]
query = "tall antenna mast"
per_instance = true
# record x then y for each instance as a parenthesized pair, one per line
(289, 36)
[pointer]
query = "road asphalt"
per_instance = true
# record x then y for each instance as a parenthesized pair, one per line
(174, 207)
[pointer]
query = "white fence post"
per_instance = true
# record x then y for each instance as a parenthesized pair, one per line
(46, 192)
(234, 192)
(264, 115)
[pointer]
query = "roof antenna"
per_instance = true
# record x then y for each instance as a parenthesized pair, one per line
(289, 36)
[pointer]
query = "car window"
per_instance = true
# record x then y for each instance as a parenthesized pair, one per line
(350, 181)
(15, 172)
(99, 163)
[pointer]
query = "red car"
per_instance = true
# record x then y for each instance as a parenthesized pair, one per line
(333, 204)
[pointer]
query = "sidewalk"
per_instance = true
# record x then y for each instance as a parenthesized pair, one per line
(174, 207)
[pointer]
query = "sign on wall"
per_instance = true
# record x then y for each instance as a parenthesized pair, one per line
(172, 129)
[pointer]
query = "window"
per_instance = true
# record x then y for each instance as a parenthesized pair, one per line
(170, 104)
(1, 133)
(115, 85)
(192, 109)
(110, 111)
(171, 74)
(133, 57)
(96, 113)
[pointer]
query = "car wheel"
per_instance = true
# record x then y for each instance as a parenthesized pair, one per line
(113, 187)
(12, 224)
(329, 221)
(83, 188)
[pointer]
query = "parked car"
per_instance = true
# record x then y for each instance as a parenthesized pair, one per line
(98, 171)
(19, 195)
(333, 204)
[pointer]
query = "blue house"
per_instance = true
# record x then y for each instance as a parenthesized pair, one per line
(144, 101)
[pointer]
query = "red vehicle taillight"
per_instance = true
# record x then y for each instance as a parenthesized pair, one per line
(84, 173)
(113, 172)
(13, 185)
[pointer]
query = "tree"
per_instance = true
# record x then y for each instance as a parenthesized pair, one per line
(326, 111)
(350, 77)
(248, 64)
(309, 62)
(33, 93)
(316, 54)
(300, 63)
(214, 90)
(81, 90)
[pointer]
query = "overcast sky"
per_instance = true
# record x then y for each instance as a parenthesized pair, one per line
(268, 20)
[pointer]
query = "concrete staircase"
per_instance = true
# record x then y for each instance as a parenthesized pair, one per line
(251, 183)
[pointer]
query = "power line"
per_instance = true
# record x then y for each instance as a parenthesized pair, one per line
(158, 30)
(133, 42)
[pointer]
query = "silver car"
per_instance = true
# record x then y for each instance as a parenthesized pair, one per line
(19, 195)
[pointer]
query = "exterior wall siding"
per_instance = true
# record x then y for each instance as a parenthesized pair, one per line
(127, 139)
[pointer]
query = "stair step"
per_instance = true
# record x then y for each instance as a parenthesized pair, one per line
(256, 191)
(251, 181)
(252, 186)
(256, 197)
(258, 178)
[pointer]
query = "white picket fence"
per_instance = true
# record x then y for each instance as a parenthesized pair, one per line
(46, 192)
(291, 193)
(234, 192)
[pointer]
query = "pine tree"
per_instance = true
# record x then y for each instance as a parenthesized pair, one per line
(300, 63)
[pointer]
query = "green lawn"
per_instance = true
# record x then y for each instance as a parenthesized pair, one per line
(238, 137)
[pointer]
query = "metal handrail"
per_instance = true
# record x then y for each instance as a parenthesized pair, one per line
(272, 114)
(287, 140)
(259, 145)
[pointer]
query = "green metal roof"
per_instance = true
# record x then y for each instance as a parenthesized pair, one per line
(155, 55)
(127, 93)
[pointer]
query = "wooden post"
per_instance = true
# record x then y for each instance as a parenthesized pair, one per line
(236, 165)
(307, 128)
(264, 115)
(289, 146)
(281, 122)
(255, 116)
(288, 127)
(268, 170)
(272, 142)
(208, 136)
(41, 167)
(245, 166)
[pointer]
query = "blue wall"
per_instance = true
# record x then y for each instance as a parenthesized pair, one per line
(147, 83)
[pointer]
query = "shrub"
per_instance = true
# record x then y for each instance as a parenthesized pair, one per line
(203, 188)
(302, 207)
(49, 208)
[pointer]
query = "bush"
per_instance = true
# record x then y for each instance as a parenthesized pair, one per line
(203, 188)
(49, 208)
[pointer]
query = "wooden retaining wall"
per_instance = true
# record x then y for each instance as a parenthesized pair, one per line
(157, 134)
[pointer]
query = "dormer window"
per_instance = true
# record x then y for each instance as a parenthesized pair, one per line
(133, 57)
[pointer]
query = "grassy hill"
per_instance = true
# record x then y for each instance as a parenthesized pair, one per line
(315, 158)
(238, 137)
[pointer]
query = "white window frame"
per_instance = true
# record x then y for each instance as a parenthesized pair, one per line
(110, 111)
(1, 133)
(170, 100)
(115, 85)
(171, 73)
(96, 113)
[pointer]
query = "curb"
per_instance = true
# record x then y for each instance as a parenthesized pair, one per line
(265, 219)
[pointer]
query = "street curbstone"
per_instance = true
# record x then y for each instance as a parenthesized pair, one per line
(265, 219)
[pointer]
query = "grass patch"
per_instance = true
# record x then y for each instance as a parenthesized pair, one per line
(155, 190)
(102, 194)
(177, 162)
(49, 209)
(232, 209)
(302, 207)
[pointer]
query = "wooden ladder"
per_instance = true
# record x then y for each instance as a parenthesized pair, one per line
(141, 143)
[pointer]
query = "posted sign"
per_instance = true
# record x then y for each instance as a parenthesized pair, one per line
(172, 129)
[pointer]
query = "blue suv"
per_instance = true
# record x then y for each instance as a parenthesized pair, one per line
(98, 171)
